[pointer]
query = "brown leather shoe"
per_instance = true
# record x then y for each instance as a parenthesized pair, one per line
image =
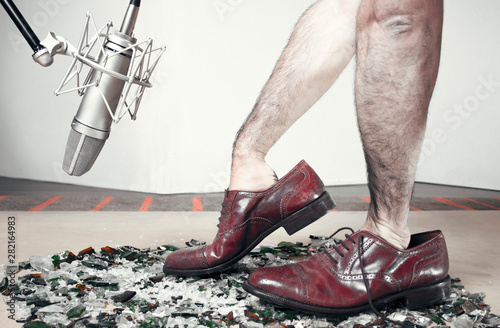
(336, 281)
(295, 201)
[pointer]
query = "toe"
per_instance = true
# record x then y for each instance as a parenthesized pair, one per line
(282, 282)
(185, 259)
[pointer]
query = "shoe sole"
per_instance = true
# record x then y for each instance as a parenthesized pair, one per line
(292, 223)
(414, 298)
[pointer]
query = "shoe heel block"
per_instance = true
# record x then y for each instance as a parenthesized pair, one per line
(424, 296)
(308, 214)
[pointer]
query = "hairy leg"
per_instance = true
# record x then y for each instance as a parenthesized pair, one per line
(398, 50)
(321, 45)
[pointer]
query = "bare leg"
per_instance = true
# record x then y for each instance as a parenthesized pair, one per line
(398, 50)
(321, 45)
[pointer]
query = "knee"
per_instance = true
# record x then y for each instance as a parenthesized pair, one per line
(397, 25)
(396, 19)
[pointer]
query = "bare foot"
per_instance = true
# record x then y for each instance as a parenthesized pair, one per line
(251, 175)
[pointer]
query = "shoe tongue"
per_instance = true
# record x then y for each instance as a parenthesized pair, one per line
(228, 193)
(229, 196)
(365, 234)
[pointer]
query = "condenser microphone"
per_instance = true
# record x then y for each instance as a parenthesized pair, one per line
(91, 125)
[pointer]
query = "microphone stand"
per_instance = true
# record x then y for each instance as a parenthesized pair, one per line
(44, 51)
(41, 54)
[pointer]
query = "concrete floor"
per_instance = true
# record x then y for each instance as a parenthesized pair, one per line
(472, 237)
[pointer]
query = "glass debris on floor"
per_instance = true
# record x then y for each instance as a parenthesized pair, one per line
(125, 287)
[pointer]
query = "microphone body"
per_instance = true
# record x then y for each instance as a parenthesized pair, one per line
(91, 125)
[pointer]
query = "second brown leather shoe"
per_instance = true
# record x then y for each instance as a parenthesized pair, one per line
(363, 269)
(295, 201)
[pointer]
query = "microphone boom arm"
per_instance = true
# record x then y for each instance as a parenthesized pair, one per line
(40, 53)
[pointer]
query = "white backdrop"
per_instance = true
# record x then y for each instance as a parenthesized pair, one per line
(219, 54)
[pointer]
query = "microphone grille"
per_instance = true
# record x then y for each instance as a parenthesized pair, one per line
(81, 153)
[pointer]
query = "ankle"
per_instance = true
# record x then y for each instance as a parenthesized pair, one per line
(251, 174)
(397, 235)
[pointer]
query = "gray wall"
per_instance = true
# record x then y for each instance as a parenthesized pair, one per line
(219, 54)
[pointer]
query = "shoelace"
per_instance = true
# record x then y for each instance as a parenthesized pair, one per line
(341, 243)
(363, 272)
(368, 293)
(223, 210)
